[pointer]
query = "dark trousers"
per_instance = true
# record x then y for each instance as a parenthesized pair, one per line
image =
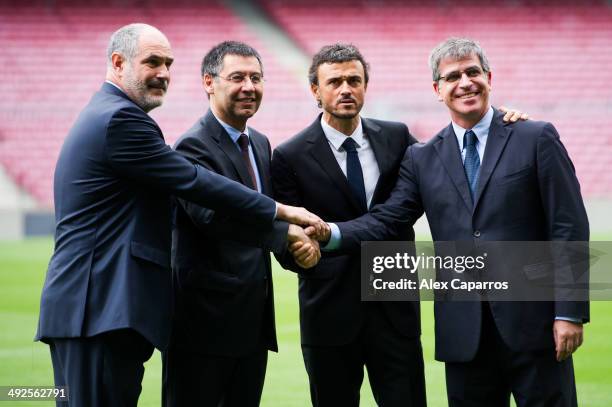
(191, 379)
(101, 371)
(394, 363)
(535, 378)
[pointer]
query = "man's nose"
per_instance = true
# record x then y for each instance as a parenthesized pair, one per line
(163, 72)
(248, 85)
(345, 89)
(465, 80)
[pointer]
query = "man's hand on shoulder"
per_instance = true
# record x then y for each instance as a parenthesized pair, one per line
(513, 115)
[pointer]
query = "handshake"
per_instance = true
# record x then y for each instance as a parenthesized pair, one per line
(305, 232)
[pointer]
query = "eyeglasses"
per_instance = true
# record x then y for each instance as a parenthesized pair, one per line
(239, 78)
(455, 76)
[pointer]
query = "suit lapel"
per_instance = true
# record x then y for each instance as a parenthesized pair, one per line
(450, 157)
(496, 141)
(260, 151)
(230, 149)
(380, 147)
(321, 152)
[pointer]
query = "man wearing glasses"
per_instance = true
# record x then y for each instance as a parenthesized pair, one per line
(224, 317)
(480, 180)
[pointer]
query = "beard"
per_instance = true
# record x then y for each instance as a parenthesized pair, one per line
(345, 115)
(138, 91)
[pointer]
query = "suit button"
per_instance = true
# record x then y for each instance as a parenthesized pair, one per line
(477, 233)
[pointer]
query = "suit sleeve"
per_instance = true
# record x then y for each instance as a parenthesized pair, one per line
(136, 151)
(386, 221)
(286, 190)
(567, 222)
(218, 225)
(221, 224)
(410, 138)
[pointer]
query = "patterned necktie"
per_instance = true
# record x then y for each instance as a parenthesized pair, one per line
(243, 142)
(354, 174)
(472, 160)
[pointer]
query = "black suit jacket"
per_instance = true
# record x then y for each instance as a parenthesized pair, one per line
(527, 191)
(111, 263)
(306, 173)
(222, 271)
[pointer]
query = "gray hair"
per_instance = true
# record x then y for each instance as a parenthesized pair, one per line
(456, 48)
(125, 41)
(212, 63)
(335, 54)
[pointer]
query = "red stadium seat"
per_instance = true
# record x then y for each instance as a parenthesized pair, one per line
(548, 58)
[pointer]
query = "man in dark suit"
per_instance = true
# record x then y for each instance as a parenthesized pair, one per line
(106, 300)
(338, 167)
(224, 319)
(524, 190)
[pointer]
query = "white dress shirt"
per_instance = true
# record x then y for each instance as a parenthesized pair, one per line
(369, 165)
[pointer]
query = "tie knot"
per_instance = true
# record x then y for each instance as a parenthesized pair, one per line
(350, 145)
(243, 142)
(469, 139)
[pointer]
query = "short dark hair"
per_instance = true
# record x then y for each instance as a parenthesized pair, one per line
(336, 53)
(212, 63)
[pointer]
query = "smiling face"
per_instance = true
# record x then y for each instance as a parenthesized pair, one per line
(464, 87)
(145, 78)
(341, 89)
(235, 93)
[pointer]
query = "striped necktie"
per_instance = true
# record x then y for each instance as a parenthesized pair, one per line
(471, 164)
(243, 142)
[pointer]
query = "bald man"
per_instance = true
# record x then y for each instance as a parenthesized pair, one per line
(106, 301)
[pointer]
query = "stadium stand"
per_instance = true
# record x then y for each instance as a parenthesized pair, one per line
(55, 60)
(549, 59)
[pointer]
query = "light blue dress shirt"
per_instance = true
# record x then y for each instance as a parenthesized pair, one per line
(481, 129)
(234, 135)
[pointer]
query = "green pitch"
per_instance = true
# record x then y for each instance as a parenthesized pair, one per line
(23, 362)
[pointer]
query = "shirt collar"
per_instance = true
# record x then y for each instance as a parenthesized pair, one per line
(232, 131)
(336, 138)
(115, 85)
(481, 129)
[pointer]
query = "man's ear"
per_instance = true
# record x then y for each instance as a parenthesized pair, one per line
(314, 89)
(117, 61)
(436, 88)
(208, 83)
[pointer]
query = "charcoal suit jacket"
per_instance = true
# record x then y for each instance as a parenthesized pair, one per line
(527, 191)
(306, 173)
(113, 184)
(221, 267)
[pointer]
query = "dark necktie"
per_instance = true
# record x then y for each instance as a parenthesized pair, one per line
(243, 142)
(472, 160)
(354, 174)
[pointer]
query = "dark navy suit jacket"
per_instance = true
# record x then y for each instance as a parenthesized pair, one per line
(222, 271)
(527, 191)
(306, 173)
(113, 184)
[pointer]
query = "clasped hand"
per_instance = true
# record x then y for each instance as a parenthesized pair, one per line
(305, 251)
(304, 247)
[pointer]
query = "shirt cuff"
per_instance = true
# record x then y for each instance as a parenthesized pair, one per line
(574, 320)
(334, 239)
(275, 210)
